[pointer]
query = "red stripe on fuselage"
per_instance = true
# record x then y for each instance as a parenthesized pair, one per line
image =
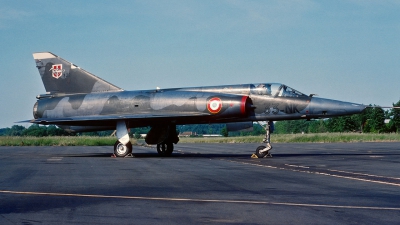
(243, 105)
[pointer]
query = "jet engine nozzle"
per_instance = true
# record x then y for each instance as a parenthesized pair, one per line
(35, 112)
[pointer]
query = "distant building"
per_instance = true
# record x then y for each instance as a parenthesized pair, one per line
(187, 134)
(212, 135)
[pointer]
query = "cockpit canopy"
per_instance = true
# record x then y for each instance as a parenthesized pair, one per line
(264, 89)
(274, 90)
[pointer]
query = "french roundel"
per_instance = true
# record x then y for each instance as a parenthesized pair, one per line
(214, 105)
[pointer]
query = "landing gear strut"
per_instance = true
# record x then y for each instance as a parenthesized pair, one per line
(263, 151)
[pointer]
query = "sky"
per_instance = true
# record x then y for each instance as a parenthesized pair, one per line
(344, 50)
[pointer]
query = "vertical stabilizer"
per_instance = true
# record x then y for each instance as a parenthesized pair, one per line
(60, 76)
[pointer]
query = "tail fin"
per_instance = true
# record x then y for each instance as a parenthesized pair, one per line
(60, 76)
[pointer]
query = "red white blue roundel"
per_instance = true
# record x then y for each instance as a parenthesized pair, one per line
(214, 105)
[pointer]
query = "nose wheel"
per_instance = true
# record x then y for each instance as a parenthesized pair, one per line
(263, 151)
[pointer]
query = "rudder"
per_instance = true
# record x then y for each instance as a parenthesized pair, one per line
(60, 76)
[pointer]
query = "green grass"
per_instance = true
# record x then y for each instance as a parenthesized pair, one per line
(58, 141)
(336, 137)
(300, 138)
(275, 138)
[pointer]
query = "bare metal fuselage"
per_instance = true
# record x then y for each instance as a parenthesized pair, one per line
(249, 102)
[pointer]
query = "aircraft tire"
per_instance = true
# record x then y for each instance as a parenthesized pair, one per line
(165, 149)
(121, 150)
(258, 153)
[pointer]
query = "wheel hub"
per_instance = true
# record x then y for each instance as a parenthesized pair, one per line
(121, 149)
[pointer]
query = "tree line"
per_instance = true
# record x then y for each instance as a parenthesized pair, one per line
(34, 130)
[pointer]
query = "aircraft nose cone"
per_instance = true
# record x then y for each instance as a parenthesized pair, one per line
(327, 107)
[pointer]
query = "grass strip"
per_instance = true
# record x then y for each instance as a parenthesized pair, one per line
(275, 138)
(58, 141)
(301, 138)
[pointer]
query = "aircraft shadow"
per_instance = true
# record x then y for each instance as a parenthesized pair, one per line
(334, 154)
(155, 155)
(227, 155)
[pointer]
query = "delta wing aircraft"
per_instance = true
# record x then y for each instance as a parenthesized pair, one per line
(79, 101)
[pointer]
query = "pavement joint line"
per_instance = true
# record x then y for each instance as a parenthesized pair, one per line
(200, 200)
(320, 173)
(342, 171)
(364, 174)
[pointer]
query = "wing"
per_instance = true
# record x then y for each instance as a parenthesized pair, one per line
(110, 119)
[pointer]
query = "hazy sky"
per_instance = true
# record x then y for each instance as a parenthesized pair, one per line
(344, 50)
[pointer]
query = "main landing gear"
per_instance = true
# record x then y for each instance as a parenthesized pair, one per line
(123, 146)
(121, 150)
(165, 148)
(164, 136)
(264, 151)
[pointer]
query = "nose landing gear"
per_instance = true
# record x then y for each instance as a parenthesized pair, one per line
(264, 151)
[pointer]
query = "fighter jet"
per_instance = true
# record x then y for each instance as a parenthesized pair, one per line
(79, 101)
